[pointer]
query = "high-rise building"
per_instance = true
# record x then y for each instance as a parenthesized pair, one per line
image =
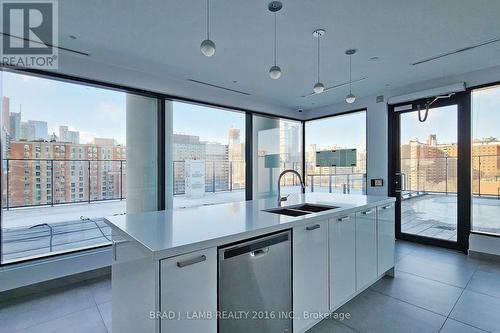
(43, 172)
(27, 132)
(5, 114)
(15, 125)
(236, 155)
(41, 129)
(65, 135)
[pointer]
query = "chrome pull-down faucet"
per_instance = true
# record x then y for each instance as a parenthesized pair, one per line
(280, 198)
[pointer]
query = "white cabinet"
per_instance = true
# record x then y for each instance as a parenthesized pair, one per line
(310, 273)
(386, 237)
(342, 259)
(366, 247)
(188, 286)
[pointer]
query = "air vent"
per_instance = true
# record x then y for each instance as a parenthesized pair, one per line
(219, 87)
(57, 47)
(471, 47)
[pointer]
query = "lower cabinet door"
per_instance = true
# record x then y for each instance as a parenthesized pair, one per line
(188, 292)
(342, 259)
(310, 274)
(366, 247)
(386, 237)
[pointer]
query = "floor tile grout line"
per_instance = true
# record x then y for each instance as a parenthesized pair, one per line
(424, 277)
(97, 307)
(462, 322)
(342, 323)
(57, 318)
(407, 302)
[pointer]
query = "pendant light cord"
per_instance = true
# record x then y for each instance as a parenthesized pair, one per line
(318, 57)
(208, 19)
(350, 74)
(275, 42)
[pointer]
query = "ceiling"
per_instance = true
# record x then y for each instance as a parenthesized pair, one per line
(162, 37)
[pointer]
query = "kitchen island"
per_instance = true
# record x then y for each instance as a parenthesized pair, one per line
(165, 263)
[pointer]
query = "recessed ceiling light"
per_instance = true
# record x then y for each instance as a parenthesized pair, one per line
(374, 58)
(72, 36)
(235, 81)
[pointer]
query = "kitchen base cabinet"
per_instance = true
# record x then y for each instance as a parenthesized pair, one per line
(310, 273)
(366, 247)
(188, 289)
(386, 237)
(342, 259)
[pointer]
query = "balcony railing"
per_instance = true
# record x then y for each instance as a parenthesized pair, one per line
(439, 175)
(337, 182)
(220, 176)
(41, 182)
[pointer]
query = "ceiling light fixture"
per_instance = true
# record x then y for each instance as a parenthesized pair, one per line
(275, 70)
(350, 98)
(318, 87)
(207, 47)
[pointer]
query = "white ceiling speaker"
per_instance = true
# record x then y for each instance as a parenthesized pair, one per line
(274, 7)
(351, 98)
(318, 87)
(207, 47)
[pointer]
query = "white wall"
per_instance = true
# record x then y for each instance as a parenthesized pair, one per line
(377, 132)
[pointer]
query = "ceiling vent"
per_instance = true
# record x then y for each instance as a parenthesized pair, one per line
(219, 87)
(61, 48)
(57, 47)
(468, 48)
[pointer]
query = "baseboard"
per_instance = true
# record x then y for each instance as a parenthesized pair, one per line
(486, 256)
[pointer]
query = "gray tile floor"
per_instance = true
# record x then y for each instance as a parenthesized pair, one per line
(435, 290)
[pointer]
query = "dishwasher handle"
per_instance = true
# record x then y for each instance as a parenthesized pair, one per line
(255, 248)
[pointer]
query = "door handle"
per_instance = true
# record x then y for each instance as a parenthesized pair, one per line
(344, 218)
(312, 227)
(387, 207)
(113, 247)
(192, 261)
(367, 212)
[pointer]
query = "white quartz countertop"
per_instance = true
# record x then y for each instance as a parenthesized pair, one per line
(178, 231)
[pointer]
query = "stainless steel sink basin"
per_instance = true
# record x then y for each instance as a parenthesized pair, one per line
(299, 210)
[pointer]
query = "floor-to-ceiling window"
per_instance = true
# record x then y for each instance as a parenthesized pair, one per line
(71, 155)
(277, 145)
(336, 154)
(486, 160)
(208, 154)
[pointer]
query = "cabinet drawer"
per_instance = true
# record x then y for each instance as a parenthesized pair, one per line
(386, 237)
(310, 254)
(188, 285)
(342, 259)
(366, 247)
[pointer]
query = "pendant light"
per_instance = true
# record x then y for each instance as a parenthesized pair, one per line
(207, 47)
(350, 98)
(318, 87)
(274, 7)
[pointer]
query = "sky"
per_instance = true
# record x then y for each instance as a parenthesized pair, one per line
(345, 131)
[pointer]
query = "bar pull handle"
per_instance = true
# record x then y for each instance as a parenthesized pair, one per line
(387, 207)
(344, 218)
(367, 212)
(259, 252)
(113, 247)
(312, 227)
(191, 261)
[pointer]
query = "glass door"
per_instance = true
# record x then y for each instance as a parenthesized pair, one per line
(426, 168)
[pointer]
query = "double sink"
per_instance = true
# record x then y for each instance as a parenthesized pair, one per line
(302, 209)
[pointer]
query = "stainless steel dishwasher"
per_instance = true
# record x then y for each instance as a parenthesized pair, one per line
(255, 292)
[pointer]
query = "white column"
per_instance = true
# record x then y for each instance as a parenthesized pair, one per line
(142, 166)
(266, 137)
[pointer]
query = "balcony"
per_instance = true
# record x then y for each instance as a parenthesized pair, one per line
(429, 196)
